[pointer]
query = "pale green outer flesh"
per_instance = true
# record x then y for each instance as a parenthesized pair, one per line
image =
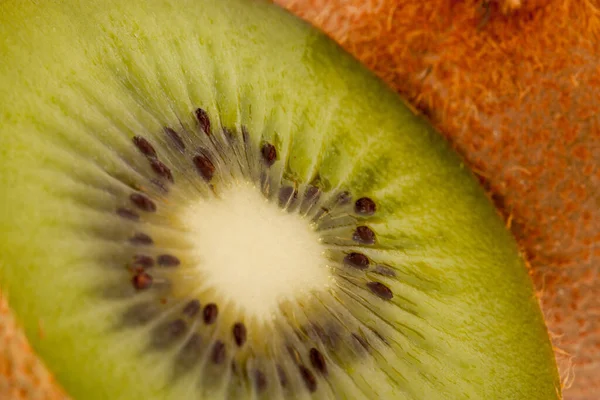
(64, 66)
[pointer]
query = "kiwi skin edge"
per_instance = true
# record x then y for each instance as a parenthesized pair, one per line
(30, 68)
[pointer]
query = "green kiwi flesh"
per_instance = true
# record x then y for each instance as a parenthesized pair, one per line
(129, 132)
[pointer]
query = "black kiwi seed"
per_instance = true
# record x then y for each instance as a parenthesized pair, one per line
(260, 380)
(142, 260)
(161, 170)
(141, 239)
(364, 235)
(239, 333)
(191, 308)
(269, 154)
(318, 361)
(309, 378)
(205, 167)
(380, 290)
(142, 202)
(357, 260)
(175, 138)
(141, 280)
(144, 146)
(127, 214)
(167, 260)
(203, 120)
(364, 206)
(218, 352)
(210, 313)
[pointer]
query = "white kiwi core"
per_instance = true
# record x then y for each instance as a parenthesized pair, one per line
(255, 254)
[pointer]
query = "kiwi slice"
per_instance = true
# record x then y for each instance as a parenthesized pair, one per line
(209, 199)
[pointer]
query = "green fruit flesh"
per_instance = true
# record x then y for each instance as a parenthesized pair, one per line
(444, 310)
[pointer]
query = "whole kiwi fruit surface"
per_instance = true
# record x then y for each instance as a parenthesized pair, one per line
(210, 199)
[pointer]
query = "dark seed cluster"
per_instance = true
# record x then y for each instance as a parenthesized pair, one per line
(149, 265)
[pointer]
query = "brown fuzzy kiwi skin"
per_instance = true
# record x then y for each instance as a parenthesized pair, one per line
(22, 374)
(514, 85)
(501, 80)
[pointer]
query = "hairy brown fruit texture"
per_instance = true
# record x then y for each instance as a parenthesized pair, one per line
(22, 375)
(513, 84)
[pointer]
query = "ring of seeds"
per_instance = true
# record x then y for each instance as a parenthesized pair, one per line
(209, 328)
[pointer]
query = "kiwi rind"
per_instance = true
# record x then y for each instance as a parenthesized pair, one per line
(69, 71)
